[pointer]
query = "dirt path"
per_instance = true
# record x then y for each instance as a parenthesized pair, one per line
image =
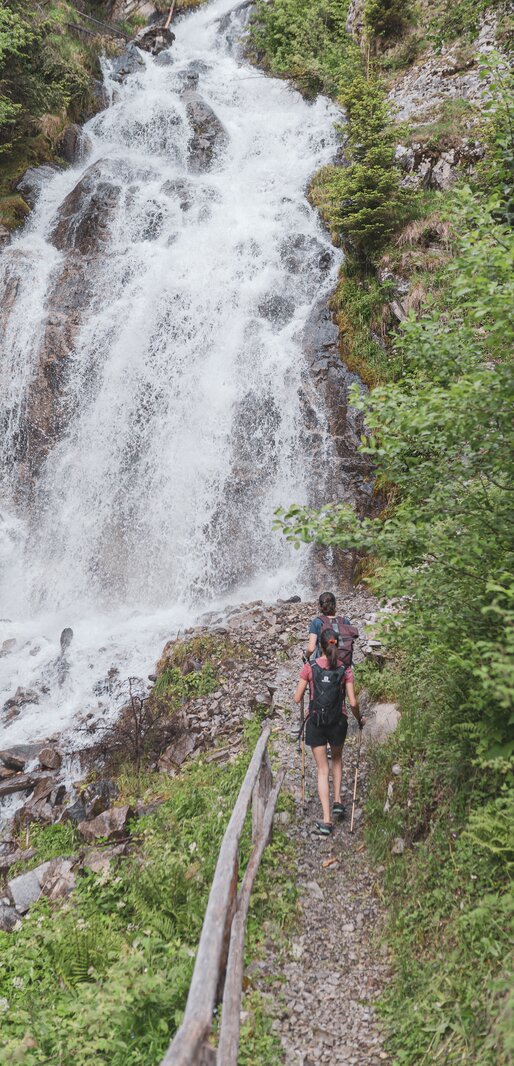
(334, 967)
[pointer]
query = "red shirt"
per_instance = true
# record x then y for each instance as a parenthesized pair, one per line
(306, 675)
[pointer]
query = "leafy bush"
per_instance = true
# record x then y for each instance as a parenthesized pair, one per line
(386, 18)
(306, 41)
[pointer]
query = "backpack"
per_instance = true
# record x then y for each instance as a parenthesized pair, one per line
(347, 636)
(326, 705)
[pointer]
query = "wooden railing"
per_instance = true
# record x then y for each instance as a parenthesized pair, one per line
(218, 972)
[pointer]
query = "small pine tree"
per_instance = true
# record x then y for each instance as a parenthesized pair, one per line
(362, 202)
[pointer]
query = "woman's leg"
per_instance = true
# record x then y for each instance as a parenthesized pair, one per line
(337, 770)
(320, 758)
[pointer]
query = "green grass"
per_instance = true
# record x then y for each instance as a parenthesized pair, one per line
(103, 977)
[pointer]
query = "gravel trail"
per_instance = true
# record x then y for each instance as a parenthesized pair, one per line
(334, 967)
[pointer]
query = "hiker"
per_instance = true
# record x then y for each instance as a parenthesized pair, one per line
(329, 681)
(327, 617)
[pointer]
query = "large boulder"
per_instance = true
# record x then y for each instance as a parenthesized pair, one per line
(84, 216)
(209, 136)
(27, 888)
(381, 722)
(129, 62)
(112, 824)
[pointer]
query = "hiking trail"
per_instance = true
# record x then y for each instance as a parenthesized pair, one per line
(333, 968)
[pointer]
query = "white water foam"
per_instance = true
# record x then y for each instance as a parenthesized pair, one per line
(185, 425)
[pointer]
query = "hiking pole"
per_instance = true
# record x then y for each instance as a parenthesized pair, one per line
(302, 715)
(356, 774)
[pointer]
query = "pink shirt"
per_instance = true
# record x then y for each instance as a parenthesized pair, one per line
(306, 675)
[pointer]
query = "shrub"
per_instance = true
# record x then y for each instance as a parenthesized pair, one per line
(386, 18)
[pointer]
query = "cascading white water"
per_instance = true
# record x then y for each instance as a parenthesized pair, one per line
(179, 425)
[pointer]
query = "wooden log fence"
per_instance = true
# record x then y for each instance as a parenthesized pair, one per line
(218, 971)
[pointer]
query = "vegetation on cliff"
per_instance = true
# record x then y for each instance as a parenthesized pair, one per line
(439, 432)
(48, 61)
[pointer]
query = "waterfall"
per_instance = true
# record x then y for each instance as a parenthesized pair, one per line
(151, 367)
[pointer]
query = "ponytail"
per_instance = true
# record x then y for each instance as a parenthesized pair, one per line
(329, 648)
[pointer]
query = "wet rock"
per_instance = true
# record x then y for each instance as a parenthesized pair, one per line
(17, 783)
(42, 789)
(298, 251)
(164, 59)
(26, 888)
(7, 645)
(57, 796)
(33, 180)
(182, 190)
(12, 761)
(74, 145)
(277, 309)
(66, 639)
(5, 237)
(112, 824)
(129, 62)
(99, 96)
(84, 216)
(9, 918)
(208, 134)
(21, 697)
(50, 758)
(154, 39)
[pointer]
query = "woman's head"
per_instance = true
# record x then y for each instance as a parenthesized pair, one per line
(327, 603)
(329, 641)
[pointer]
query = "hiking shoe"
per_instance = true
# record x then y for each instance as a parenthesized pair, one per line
(324, 829)
(339, 810)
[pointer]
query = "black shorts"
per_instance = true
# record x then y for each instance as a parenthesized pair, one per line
(316, 736)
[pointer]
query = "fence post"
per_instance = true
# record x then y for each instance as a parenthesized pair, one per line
(260, 796)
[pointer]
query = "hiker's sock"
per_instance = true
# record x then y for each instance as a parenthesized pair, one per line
(324, 829)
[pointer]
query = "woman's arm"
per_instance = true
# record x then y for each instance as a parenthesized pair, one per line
(352, 699)
(300, 690)
(313, 640)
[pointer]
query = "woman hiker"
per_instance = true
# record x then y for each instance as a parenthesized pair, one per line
(327, 721)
